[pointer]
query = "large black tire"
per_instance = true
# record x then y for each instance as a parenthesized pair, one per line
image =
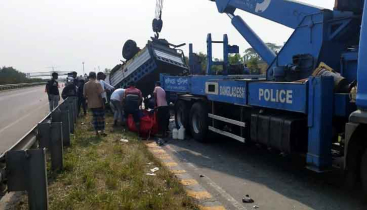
(199, 122)
(130, 49)
(181, 114)
(363, 171)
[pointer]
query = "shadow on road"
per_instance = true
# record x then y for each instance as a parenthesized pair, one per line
(284, 175)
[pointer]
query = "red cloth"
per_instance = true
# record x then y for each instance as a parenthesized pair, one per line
(148, 124)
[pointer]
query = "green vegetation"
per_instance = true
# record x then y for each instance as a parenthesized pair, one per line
(235, 58)
(9, 75)
(104, 173)
(250, 57)
(254, 61)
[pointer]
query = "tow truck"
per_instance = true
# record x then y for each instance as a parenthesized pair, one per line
(312, 100)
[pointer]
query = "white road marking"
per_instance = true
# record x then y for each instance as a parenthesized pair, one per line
(7, 96)
(22, 118)
(220, 190)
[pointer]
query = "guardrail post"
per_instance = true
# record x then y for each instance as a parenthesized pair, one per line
(26, 171)
(67, 107)
(75, 99)
(50, 137)
(75, 107)
(44, 134)
(63, 117)
(70, 101)
(56, 146)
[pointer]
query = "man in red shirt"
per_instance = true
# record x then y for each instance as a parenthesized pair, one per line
(132, 100)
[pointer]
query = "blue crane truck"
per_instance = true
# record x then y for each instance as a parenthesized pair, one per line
(312, 100)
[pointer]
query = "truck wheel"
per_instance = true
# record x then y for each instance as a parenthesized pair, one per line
(199, 121)
(130, 49)
(181, 114)
(364, 171)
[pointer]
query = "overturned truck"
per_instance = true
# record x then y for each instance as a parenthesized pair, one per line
(144, 66)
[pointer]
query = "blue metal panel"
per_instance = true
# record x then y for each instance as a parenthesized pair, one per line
(283, 96)
(362, 63)
(288, 13)
(191, 59)
(176, 84)
(320, 115)
(342, 105)
(209, 56)
(198, 84)
(306, 39)
(251, 37)
(225, 55)
(223, 6)
(349, 66)
(228, 91)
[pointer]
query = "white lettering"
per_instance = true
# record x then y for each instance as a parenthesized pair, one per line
(236, 92)
(289, 96)
(261, 7)
(276, 96)
(261, 94)
(282, 96)
(267, 94)
(272, 99)
(182, 81)
(170, 81)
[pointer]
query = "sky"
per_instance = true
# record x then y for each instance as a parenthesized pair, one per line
(40, 34)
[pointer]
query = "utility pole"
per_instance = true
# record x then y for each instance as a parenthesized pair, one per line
(53, 68)
(83, 68)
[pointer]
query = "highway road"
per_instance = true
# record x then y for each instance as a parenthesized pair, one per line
(20, 111)
(230, 170)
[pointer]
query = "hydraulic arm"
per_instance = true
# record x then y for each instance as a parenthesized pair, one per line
(269, 9)
(319, 35)
(288, 13)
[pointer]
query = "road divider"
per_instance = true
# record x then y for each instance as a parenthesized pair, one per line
(20, 85)
(23, 166)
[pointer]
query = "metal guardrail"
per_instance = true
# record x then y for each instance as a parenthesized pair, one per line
(23, 166)
(20, 85)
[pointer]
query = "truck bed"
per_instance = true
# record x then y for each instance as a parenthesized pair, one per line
(146, 66)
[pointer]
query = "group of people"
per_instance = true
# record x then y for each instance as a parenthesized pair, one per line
(91, 93)
(126, 101)
(123, 101)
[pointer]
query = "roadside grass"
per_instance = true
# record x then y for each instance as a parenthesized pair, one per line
(104, 173)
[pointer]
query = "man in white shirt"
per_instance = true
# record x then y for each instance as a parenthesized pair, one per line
(163, 109)
(116, 105)
(101, 77)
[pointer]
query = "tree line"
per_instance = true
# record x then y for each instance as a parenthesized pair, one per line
(250, 57)
(9, 75)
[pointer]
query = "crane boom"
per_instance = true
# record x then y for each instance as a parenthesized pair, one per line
(286, 12)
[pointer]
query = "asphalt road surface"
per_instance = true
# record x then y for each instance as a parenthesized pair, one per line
(231, 170)
(20, 111)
